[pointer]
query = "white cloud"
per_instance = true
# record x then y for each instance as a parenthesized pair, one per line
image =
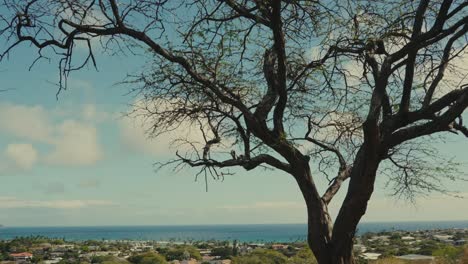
(27, 122)
(90, 113)
(76, 144)
(454, 76)
(13, 202)
(89, 183)
(265, 205)
(355, 72)
(134, 135)
(54, 188)
(93, 17)
(72, 138)
(314, 53)
(432, 207)
(24, 156)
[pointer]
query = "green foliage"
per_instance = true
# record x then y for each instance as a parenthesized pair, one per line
(403, 251)
(108, 260)
(389, 260)
(67, 261)
(37, 259)
(85, 248)
(449, 253)
(235, 248)
(178, 253)
(148, 258)
(428, 247)
(303, 256)
(261, 256)
(223, 252)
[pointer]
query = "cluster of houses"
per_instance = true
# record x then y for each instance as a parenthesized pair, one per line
(412, 241)
(57, 253)
(53, 254)
(367, 247)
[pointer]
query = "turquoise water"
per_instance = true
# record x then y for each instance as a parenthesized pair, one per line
(244, 233)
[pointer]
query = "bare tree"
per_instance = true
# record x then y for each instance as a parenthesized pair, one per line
(351, 89)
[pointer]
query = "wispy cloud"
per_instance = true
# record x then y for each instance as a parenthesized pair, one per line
(18, 157)
(13, 202)
(54, 188)
(134, 133)
(88, 183)
(264, 205)
(71, 138)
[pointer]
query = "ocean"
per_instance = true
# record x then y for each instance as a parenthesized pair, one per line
(244, 233)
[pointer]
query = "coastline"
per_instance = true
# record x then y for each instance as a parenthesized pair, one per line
(243, 233)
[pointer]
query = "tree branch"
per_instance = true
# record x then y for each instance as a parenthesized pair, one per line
(336, 183)
(248, 164)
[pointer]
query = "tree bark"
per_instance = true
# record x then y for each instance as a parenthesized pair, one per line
(319, 231)
(361, 187)
(333, 244)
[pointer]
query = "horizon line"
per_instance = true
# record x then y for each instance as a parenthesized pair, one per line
(228, 224)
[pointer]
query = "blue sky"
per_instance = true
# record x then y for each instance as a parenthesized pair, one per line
(78, 161)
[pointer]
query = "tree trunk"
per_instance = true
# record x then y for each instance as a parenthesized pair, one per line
(319, 222)
(333, 244)
(360, 189)
(320, 240)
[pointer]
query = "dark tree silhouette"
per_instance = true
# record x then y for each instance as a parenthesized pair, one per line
(354, 88)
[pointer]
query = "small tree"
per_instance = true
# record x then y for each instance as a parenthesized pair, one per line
(349, 88)
(259, 256)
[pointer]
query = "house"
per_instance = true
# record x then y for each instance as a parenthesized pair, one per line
(205, 251)
(279, 246)
(418, 258)
(21, 257)
(190, 261)
(379, 238)
(256, 245)
(57, 254)
(94, 248)
(360, 248)
(370, 255)
(443, 237)
(52, 261)
(218, 261)
(90, 255)
(63, 248)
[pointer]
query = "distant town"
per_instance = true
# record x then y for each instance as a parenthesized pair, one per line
(424, 246)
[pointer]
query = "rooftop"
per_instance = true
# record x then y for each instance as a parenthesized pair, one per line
(22, 254)
(415, 257)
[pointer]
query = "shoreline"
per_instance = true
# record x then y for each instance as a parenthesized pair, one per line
(188, 240)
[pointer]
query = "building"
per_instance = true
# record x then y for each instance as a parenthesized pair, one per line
(370, 256)
(443, 237)
(220, 261)
(418, 258)
(360, 248)
(52, 261)
(279, 246)
(22, 257)
(190, 261)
